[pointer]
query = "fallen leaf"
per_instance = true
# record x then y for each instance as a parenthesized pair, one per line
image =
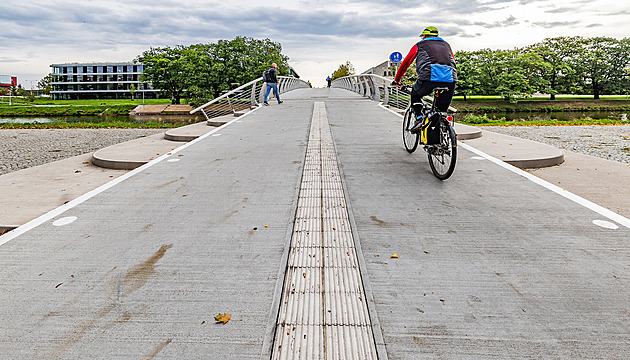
(395, 256)
(334, 228)
(41, 274)
(203, 322)
(223, 318)
(377, 255)
(266, 225)
(58, 285)
(479, 170)
(185, 195)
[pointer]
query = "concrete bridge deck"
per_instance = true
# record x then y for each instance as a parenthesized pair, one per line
(490, 264)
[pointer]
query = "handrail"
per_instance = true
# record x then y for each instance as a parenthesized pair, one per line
(378, 88)
(242, 98)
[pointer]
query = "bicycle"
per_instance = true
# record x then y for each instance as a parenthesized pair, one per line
(437, 135)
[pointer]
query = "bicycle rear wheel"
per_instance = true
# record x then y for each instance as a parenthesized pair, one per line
(409, 139)
(442, 157)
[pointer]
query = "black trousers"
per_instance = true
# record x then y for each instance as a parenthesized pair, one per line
(424, 88)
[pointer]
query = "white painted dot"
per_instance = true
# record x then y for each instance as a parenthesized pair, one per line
(606, 224)
(65, 221)
(216, 134)
(478, 158)
(172, 160)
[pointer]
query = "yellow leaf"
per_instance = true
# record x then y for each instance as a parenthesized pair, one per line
(223, 318)
(395, 256)
(266, 225)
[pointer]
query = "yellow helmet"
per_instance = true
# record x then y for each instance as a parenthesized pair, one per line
(431, 31)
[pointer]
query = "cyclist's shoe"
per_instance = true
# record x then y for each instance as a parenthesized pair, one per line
(417, 126)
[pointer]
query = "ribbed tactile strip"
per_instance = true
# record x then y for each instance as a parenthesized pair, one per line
(323, 314)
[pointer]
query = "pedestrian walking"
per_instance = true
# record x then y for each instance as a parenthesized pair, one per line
(329, 80)
(270, 77)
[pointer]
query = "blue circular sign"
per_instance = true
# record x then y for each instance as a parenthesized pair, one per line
(395, 57)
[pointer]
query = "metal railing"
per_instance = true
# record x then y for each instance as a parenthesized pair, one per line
(246, 97)
(377, 88)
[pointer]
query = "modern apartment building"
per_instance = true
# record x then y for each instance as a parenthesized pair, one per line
(6, 81)
(100, 81)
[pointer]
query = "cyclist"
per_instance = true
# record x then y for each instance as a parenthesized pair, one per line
(435, 66)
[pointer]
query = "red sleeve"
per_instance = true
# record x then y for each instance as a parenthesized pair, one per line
(405, 63)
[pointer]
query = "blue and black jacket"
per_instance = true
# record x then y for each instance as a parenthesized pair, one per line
(434, 61)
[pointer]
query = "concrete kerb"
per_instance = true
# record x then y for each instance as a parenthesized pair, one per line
(522, 153)
(134, 153)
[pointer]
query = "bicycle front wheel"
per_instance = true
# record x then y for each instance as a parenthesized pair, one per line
(409, 139)
(442, 157)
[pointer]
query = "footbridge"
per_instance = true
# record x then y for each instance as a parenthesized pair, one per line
(304, 230)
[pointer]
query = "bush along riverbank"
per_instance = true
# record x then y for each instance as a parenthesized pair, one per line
(87, 125)
(66, 110)
(496, 106)
(481, 120)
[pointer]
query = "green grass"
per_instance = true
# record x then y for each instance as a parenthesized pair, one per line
(47, 101)
(86, 125)
(483, 120)
(66, 110)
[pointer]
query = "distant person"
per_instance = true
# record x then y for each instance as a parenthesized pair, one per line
(329, 80)
(271, 79)
(435, 66)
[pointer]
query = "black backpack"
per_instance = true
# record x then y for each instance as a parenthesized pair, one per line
(266, 75)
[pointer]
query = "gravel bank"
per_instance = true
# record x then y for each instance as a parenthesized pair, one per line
(23, 148)
(610, 142)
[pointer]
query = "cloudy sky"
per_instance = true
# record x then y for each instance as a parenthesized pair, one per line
(317, 35)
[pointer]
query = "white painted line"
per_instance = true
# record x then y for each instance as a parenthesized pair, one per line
(388, 109)
(606, 224)
(549, 186)
(69, 205)
(65, 221)
(558, 190)
(216, 134)
(173, 160)
(478, 158)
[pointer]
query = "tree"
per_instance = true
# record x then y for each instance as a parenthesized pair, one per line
(241, 60)
(132, 90)
(202, 71)
(166, 69)
(556, 68)
(467, 73)
(45, 84)
(599, 64)
(344, 70)
(20, 90)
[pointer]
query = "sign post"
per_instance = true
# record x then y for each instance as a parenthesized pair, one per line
(395, 57)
